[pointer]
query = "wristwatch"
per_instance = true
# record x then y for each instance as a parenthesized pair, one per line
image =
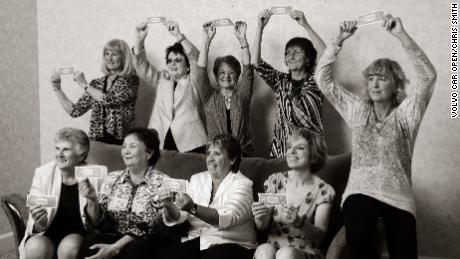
(193, 209)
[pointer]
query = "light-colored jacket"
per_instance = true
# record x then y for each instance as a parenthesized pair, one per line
(47, 181)
(233, 201)
(178, 109)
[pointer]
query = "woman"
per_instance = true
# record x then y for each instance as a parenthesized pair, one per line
(126, 211)
(383, 136)
(217, 205)
(227, 108)
(176, 114)
(112, 97)
(298, 98)
(296, 228)
(59, 231)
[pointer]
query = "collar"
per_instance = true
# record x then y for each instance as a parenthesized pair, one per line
(125, 177)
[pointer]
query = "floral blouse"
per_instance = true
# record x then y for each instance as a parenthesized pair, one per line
(130, 209)
(382, 150)
(307, 200)
(299, 105)
(114, 114)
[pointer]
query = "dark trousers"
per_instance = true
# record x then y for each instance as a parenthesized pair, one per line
(361, 214)
(170, 144)
(138, 248)
(191, 250)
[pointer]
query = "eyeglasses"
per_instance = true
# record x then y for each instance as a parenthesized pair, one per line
(176, 60)
(294, 53)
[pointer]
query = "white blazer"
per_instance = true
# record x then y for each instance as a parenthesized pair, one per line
(47, 181)
(179, 109)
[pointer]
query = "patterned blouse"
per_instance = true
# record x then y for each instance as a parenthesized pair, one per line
(129, 209)
(114, 114)
(382, 150)
(308, 200)
(215, 110)
(299, 105)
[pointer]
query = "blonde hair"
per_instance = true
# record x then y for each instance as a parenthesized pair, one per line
(122, 48)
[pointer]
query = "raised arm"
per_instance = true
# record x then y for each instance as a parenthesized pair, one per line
(190, 49)
(240, 33)
(65, 102)
(203, 85)
(318, 43)
(209, 31)
(262, 21)
(144, 69)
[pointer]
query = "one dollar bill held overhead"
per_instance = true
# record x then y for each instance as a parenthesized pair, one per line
(281, 9)
(222, 22)
(370, 18)
(46, 201)
(156, 19)
(273, 199)
(176, 185)
(66, 70)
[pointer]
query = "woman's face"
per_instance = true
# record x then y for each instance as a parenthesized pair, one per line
(217, 160)
(295, 59)
(226, 76)
(177, 67)
(134, 152)
(113, 60)
(298, 153)
(381, 88)
(67, 156)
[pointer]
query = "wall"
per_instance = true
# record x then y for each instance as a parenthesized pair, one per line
(72, 33)
(19, 102)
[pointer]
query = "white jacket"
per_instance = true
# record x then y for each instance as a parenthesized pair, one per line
(179, 109)
(47, 181)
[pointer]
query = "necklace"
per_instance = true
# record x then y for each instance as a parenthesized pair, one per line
(228, 95)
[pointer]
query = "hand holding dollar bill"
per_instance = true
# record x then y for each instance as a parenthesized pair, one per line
(94, 173)
(175, 185)
(46, 201)
(370, 18)
(273, 199)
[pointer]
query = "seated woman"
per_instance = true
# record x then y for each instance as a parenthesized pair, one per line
(52, 232)
(217, 205)
(298, 98)
(227, 108)
(112, 97)
(177, 113)
(127, 210)
(383, 135)
(296, 228)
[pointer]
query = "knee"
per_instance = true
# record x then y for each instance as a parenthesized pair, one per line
(289, 253)
(265, 251)
(69, 246)
(39, 247)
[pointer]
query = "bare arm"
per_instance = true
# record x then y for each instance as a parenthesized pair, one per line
(240, 33)
(263, 19)
(318, 43)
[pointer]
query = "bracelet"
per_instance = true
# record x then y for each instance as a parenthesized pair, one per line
(245, 46)
(182, 38)
(86, 88)
(194, 209)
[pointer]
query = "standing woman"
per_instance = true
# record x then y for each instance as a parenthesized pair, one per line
(177, 113)
(227, 108)
(112, 97)
(59, 231)
(126, 211)
(383, 136)
(298, 98)
(296, 229)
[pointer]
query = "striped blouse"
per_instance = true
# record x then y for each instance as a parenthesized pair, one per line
(299, 105)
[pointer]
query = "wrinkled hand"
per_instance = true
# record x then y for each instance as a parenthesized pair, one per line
(209, 31)
(299, 17)
(173, 29)
(264, 17)
(165, 74)
(106, 251)
(289, 214)
(393, 25)
(184, 202)
(166, 198)
(141, 31)
(79, 77)
(40, 216)
(87, 190)
(261, 211)
(56, 81)
(346, 29)
(240, 31)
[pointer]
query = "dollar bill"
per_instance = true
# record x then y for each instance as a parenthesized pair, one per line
(175, 185)
(273, 199)
(47, 201)
(94, 173)
(66, 70)
(370, 18)
(222, 22)
(156, 19)
(281, 9)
